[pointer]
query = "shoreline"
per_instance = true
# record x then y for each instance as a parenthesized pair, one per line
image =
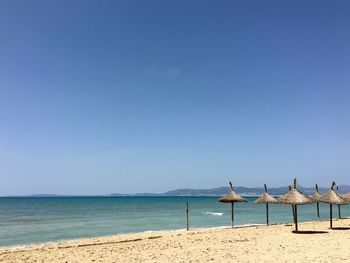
(23, 246)
(258, 242)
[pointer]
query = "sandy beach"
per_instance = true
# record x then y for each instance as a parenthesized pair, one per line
(275, 243)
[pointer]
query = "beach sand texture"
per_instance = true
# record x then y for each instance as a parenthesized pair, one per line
(252, 244)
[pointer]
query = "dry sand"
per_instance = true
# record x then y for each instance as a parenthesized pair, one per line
(254, 244)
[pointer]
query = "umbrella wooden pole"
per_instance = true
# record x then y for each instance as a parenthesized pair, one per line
(339, 216)
(267, 214)
(317, 203)
(293, 213)
(296, 218)
(187, 222)
(330, 216)
(232, 215)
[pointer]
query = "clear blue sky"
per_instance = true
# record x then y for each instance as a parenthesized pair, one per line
(147, 96)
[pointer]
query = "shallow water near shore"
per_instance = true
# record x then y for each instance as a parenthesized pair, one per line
(28, 220)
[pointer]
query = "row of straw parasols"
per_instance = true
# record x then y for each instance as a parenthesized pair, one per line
(294, 198)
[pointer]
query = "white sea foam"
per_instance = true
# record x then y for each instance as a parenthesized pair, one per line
(214, 213)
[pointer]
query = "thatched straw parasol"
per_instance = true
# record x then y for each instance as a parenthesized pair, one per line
(295, 197)
(232, 198)
(266, 199)
(332, 198)
(347, 197)
(317, 198)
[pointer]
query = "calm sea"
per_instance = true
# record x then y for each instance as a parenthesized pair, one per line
(30, 220)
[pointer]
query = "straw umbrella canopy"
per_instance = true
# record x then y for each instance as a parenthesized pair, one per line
(317, 197)
(339, 214)
(295, 197)
(332, 198)
(347, 197)
(266, 199)
(232, 198)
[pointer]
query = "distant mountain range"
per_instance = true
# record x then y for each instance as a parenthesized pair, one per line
(45, 195)
(219, 191)
(246, 191)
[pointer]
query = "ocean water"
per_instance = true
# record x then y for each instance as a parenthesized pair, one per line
(28, 220)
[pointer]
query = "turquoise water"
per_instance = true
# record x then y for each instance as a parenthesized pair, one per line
(30, 220)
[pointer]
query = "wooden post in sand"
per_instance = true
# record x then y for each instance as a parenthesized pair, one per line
(187, 223)
(293, 211)
(330, 216)
(232, 216)
(267, 213)
(296, 218)
(317, 203)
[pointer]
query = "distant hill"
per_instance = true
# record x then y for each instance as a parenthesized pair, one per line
(44, 195)
(247, 191)
(218, 191)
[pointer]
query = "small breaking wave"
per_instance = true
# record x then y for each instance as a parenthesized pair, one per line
(214, 213)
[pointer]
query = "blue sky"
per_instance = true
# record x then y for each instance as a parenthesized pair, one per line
(147, 96)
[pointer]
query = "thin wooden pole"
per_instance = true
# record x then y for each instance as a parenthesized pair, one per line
(232, 215)
(330, 216)
(339, 216)
(267, 214)
(317, 204)
(290, 188)
(296, 218)
(187, 222)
